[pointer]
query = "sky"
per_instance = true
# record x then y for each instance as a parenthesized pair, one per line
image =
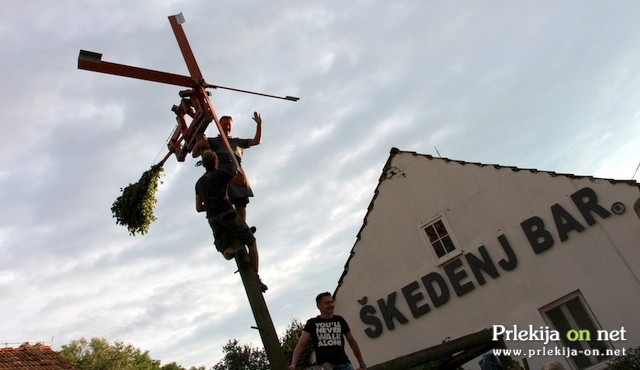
(550, 85)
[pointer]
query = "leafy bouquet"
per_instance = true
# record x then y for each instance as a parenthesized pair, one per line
(134, 208)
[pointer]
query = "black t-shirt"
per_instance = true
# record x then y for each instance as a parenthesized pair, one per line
(327, 336)
(237, 145)
(212, 187)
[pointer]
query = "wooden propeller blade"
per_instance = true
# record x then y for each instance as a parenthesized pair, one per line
(91, 61)
(176, 25)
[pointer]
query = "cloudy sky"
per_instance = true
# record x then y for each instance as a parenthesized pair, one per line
(552, 85)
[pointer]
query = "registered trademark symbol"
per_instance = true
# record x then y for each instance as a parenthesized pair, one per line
(618, 208)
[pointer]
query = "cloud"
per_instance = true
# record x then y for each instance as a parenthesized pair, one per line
(545, 85)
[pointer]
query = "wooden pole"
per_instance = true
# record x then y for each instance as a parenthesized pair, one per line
(268, 334)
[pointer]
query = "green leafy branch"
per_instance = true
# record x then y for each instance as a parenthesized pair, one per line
(134, 208)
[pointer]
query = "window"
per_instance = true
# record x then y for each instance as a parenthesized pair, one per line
(572, 314)
(439, 238)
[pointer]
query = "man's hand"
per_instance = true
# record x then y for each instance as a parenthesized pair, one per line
(200, 146)
(257, 118)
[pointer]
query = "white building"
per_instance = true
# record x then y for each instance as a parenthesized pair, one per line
(449, 248)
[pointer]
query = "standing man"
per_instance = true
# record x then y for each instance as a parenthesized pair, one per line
(239, 189)
(228, 228)
(327, 333)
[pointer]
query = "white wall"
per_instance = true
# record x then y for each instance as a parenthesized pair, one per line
(480, 203)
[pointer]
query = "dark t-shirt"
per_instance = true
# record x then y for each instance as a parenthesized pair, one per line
(237, 145)
(327, 336)
(212, 187)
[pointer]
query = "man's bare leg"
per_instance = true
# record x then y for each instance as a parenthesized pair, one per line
(253, 253)
(242, 212)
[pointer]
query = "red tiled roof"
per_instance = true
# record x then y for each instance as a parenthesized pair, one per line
(33, 358)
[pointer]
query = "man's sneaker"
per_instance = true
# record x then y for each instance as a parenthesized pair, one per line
(263, 287)
(241, 257)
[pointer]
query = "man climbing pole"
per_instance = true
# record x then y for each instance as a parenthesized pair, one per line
(239, 189)
(230, 232)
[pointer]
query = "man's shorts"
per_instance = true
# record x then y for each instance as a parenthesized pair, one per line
(240, 202)
(229, 229)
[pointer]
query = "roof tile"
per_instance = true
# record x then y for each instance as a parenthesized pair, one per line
(33, 358)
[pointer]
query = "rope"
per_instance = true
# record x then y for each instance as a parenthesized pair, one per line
(161, 163)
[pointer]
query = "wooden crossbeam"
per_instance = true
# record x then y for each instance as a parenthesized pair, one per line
(176, 21)
(92, 61)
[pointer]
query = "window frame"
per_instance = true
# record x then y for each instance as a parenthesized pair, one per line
(448, 256)
(570, 319)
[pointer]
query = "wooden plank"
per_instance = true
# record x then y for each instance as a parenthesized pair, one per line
(92, 61)
(176, 25)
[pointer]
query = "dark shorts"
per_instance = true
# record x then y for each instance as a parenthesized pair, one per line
(240, 202)
(229, 230)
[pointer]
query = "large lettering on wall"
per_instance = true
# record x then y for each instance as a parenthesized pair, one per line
(465, 273)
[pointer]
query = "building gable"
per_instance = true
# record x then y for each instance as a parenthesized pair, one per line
(444, 242)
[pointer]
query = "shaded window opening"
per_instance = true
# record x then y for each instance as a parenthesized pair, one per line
(572, 314)
(439, 238)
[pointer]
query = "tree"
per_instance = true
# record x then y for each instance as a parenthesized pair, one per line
(175, 366)
(291, 337)
(630, 361)
(98, 354)
(242, 357)
(290, 340)
(172, 366)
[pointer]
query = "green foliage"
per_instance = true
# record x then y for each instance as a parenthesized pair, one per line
(289, 341)
(98, 354)
(175, 366)
(242, 357)
(28, 345)
(172, 366)
(134, 208)
(630, 361)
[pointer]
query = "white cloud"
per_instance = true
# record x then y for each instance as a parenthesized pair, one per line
(536, 85)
